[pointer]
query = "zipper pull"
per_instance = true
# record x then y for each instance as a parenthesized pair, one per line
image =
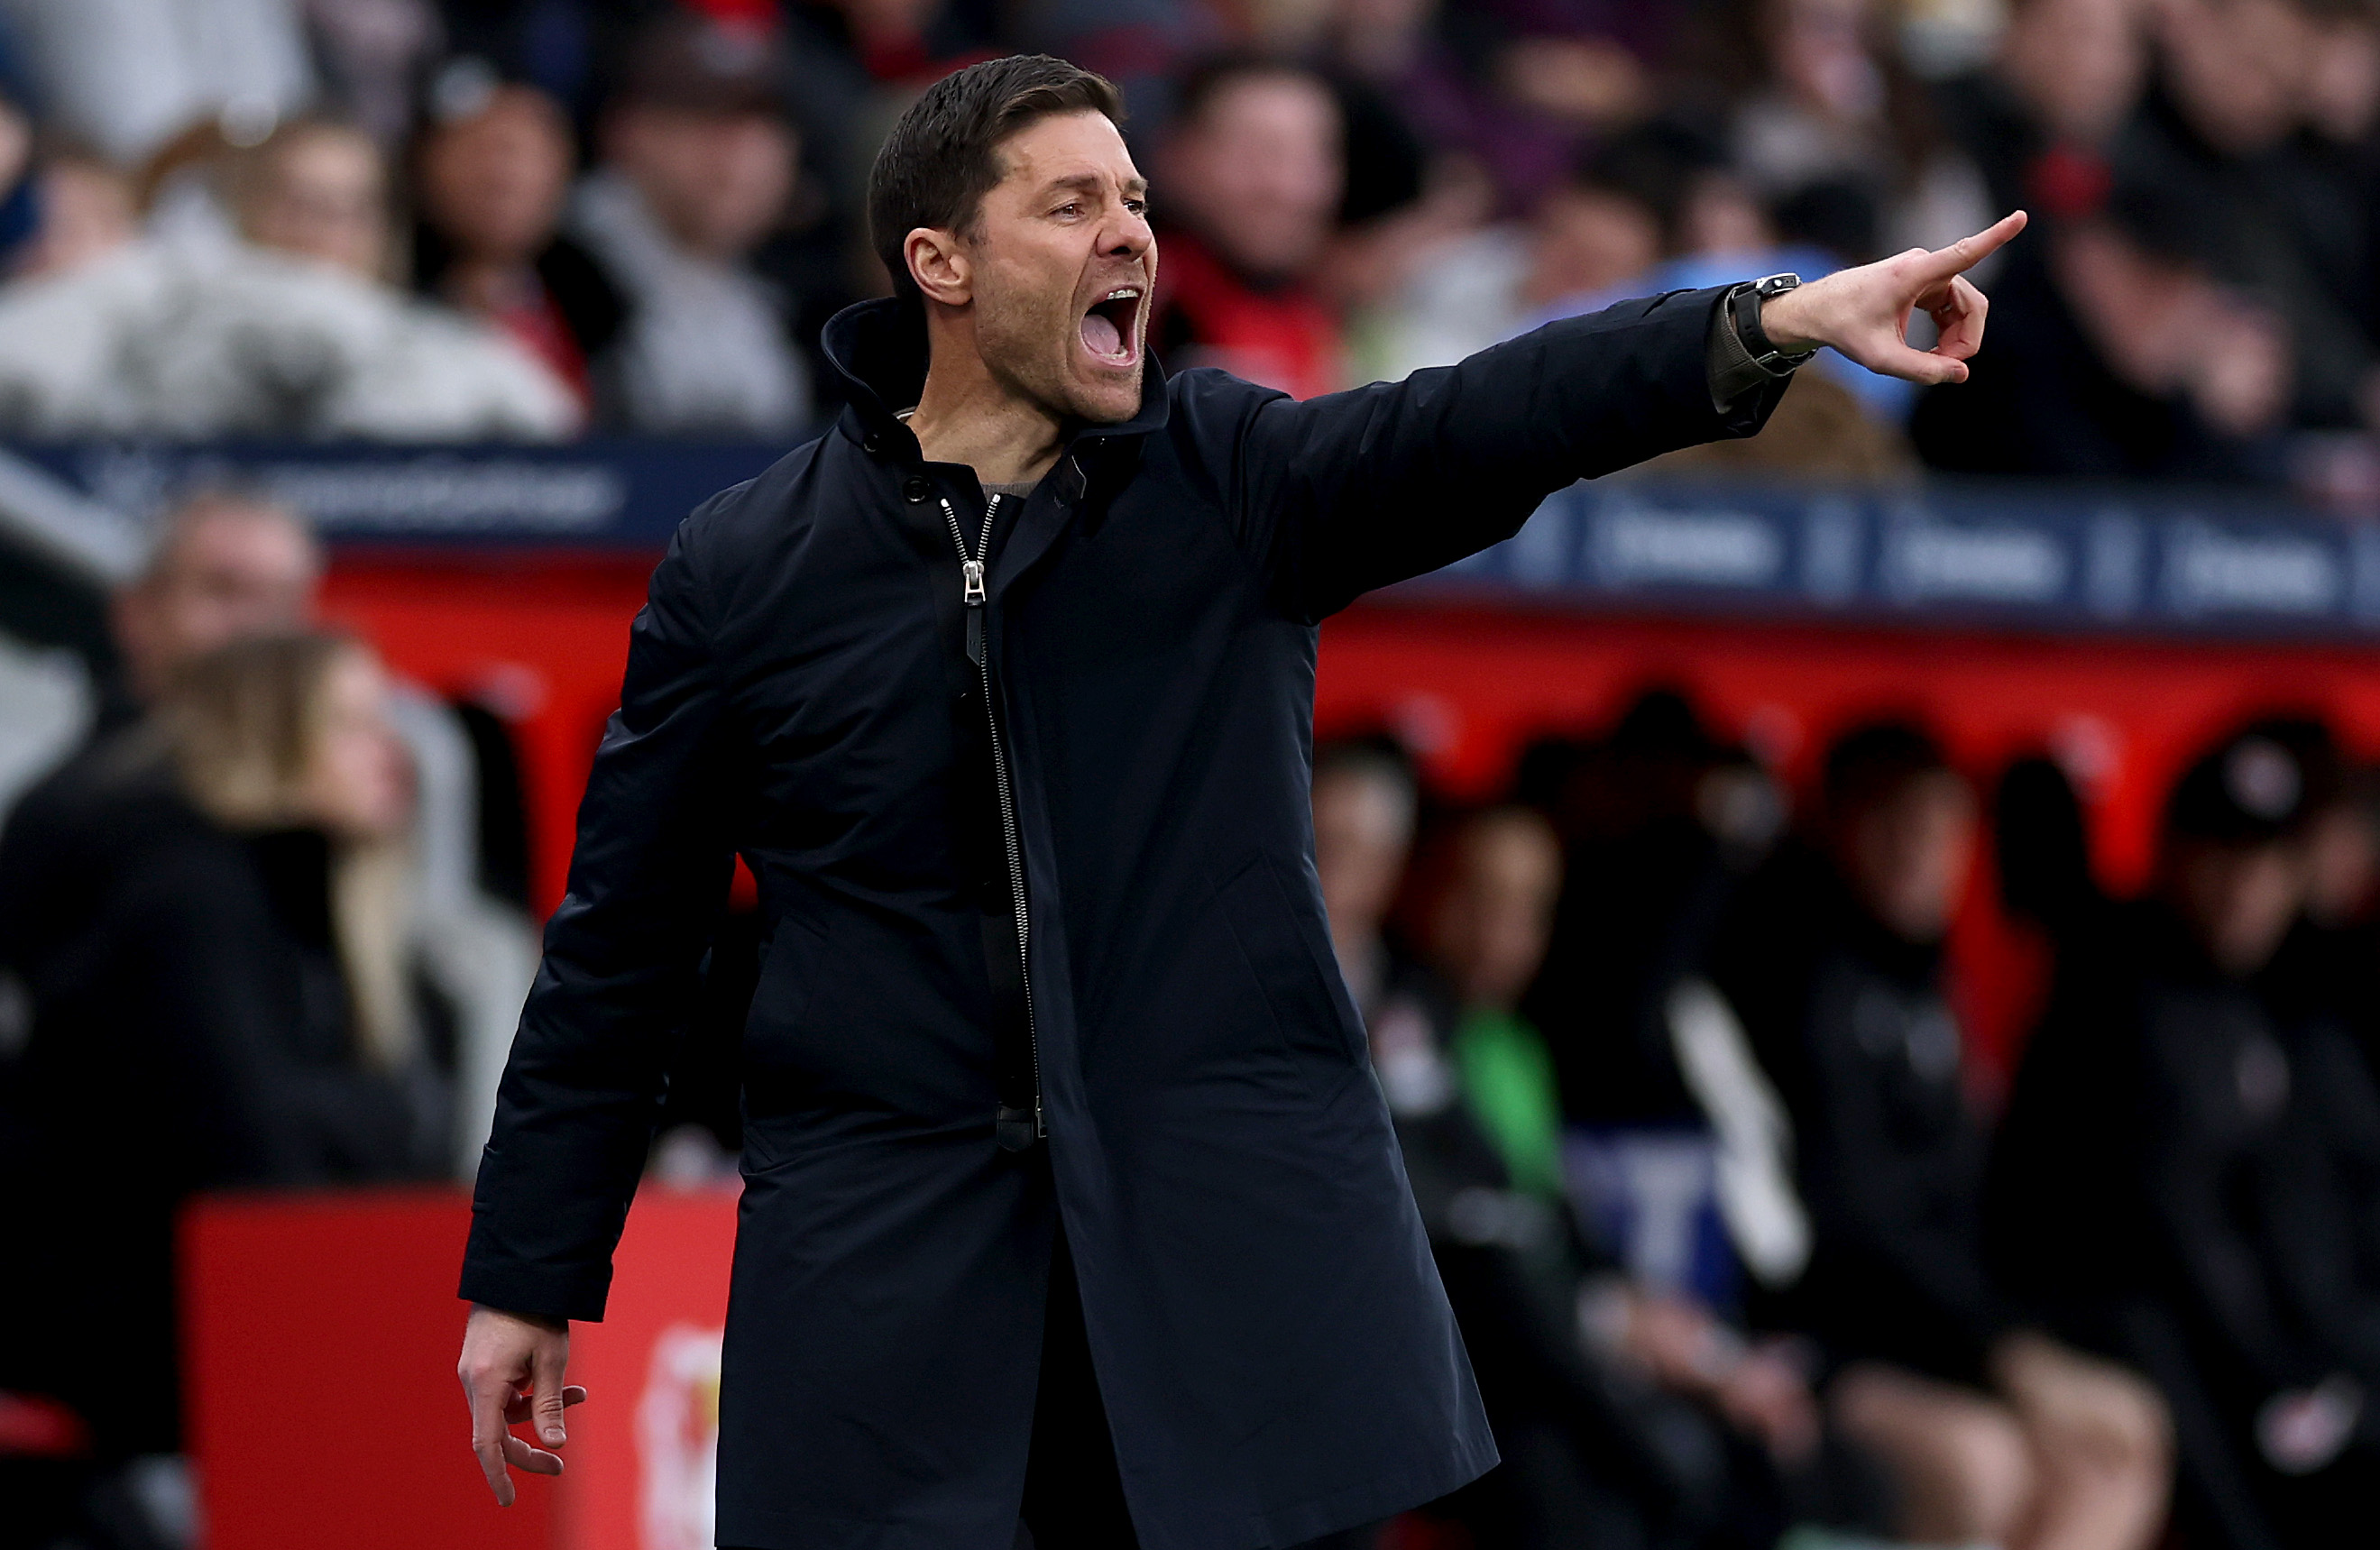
(973, 571)
(975, 636)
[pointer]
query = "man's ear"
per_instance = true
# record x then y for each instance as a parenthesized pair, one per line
(941, 265)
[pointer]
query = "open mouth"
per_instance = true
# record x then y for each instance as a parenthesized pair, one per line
(1110, 328)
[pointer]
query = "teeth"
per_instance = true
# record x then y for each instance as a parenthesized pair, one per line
(1121, 294)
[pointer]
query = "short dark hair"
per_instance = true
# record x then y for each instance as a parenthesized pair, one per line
(940, 159)
(1874, 762)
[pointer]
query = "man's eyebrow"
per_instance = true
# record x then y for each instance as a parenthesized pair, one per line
(1092, 183)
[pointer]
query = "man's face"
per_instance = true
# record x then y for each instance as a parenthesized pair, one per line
(718, 181)
(2240, 899)
(1363, 828)
(321, 197)
(1908, 853)
(1059, 267)
(1260, 171)
(1590, 239)
(1490, 930)
(493, 183)
(233, 571)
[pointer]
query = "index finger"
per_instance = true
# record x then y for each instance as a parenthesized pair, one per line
(488, 1403)
(1969, 251)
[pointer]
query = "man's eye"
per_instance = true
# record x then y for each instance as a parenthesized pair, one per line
(1138, 207)
(1069, 210)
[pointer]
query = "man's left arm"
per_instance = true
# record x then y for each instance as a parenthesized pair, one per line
(1355, 491)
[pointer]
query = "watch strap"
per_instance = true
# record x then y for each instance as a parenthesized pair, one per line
(1743, 315)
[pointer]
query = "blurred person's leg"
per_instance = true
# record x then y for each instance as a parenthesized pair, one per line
(2102, 1448)
(1548, 1494)
(1960, 1462)
(2214, 1499)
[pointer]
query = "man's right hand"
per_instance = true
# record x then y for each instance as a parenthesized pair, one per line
(512, 1371)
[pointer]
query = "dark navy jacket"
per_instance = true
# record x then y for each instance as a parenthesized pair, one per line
(1275, 1355)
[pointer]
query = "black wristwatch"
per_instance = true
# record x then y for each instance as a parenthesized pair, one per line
(1743, 311)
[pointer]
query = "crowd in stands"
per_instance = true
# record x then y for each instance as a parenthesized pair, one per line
(1741, 1244)
(252, 919)
(460, 219)
(1737, 1241)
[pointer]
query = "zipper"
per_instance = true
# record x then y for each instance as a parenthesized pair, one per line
(972, 593)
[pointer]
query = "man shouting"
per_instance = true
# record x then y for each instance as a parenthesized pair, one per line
(1069, 1196)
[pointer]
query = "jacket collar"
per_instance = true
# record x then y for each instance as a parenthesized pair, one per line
(879, 349)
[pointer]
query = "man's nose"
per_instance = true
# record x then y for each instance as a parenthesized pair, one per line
(1128, 235)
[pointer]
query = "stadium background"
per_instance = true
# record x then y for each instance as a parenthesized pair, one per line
(2157, 515)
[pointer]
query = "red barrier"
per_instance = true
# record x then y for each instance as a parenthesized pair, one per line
(546, 638)
(320, 1345)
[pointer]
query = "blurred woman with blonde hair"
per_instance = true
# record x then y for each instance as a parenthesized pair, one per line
(220, 995)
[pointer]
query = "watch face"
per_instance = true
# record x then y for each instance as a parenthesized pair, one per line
(1777, 285)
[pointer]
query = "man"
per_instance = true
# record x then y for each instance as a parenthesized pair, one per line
(699, 163)
(1255, 168)
(1626, 1414)
(492, 171)
(1832, 959)
(1004, 690)
(2184, 1172)
(228, 566)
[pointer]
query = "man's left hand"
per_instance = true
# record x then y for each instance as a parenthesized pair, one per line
(1864, 313)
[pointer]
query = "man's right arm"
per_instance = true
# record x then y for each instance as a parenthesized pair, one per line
(583, 1087)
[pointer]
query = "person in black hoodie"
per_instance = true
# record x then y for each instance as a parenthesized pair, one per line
(1832, 960)
(2184, 1173)
(213, 972)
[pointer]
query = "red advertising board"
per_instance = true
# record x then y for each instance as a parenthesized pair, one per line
(321, 1339)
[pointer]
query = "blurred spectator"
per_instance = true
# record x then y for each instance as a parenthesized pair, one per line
(1537, 81)
(1829, 119)
(1251, 171)
(318, 191)
(1625, 1414)
(219, 994)
(1715, 231)
(1654, 849)
(2036, 121)
(904, 42)
(697, 164)
(2324, 971)
(1365, 803)
(1594, 234)
(373, 55)
(85, 210)
(125, 77)
(563, 50)
(19, 182)
(2167, 1182)
(292, 331)
(490, 173)
(2113, 353)
(1832, 960)
(227, 567)
(2219, 139)
(2042, 851)
(2331, 179)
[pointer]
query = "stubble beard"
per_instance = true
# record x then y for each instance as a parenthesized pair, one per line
(1029, 348)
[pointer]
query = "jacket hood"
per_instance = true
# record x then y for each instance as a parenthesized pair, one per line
(879, 349)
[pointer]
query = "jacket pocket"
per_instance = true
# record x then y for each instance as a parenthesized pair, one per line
(1291, 957)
